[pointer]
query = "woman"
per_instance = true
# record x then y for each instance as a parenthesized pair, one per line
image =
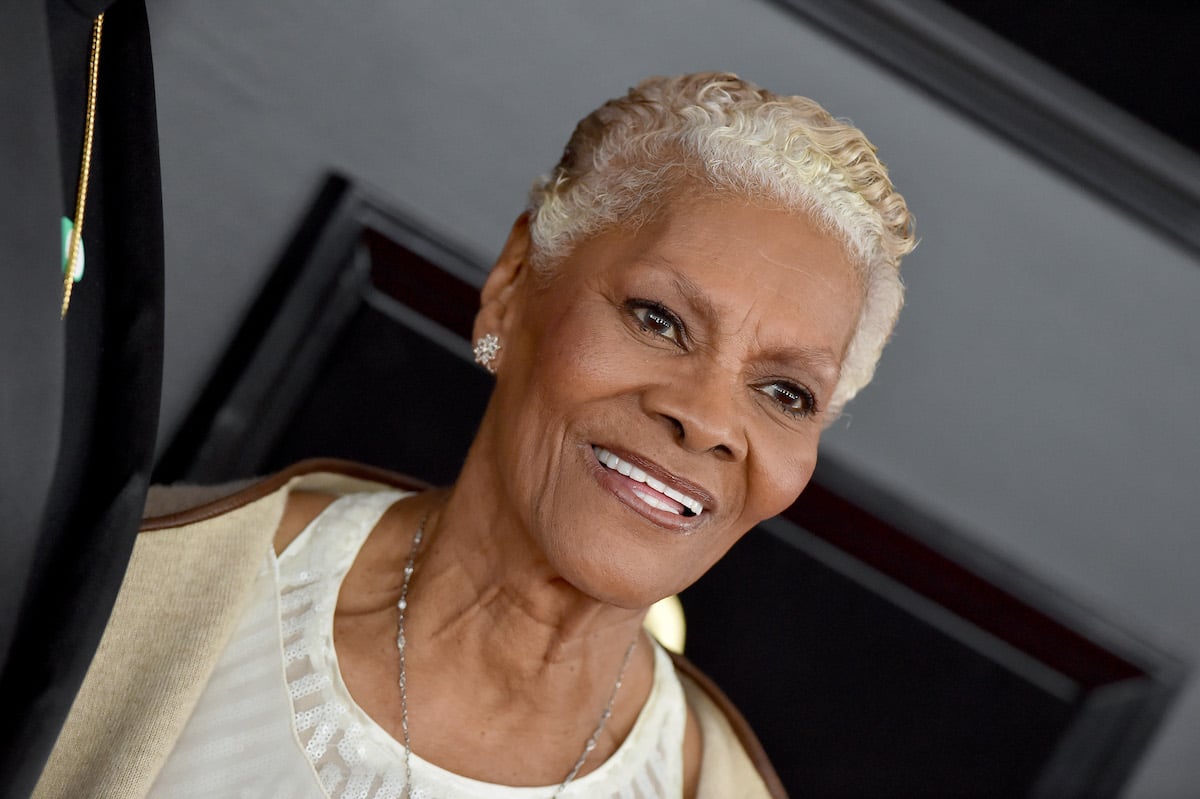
(694, 293)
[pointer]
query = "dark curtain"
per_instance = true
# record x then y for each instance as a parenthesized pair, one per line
(78, 397)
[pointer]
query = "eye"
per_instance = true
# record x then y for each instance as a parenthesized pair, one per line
(794, 399)
(655, 318)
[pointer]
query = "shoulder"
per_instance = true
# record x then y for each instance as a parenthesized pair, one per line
(300, 509)
(195, 562)
(732, 761)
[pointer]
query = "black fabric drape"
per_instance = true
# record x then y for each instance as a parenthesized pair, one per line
(78, 398)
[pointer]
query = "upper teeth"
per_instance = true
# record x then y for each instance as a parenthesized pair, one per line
(629, 470)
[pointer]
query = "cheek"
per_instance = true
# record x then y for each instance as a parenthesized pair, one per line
(585, 355)
(776, 481)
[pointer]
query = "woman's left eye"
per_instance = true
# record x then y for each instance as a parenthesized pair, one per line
(794, 399)
(656, 319)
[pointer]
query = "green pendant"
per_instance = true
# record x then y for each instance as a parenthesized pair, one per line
(68, 231)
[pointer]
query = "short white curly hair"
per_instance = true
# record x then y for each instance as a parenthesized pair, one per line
(626, 157)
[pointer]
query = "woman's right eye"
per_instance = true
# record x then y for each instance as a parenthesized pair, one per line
(655, 318)
(794, 400)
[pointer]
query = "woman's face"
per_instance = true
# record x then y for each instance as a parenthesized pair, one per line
(665, 390)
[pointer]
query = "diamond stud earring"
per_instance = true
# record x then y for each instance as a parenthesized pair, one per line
(486, 348)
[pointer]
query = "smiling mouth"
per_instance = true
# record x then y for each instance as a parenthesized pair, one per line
(655, 493)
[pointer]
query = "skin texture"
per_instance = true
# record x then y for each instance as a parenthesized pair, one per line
(683, 346)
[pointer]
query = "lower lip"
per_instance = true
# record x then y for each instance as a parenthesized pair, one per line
(623, 488)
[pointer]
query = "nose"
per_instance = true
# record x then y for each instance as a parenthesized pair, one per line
(701, 413)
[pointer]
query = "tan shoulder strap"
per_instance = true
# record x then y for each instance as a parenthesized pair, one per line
(733, 761)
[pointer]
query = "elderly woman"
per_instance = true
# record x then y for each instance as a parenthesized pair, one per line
(694, 293)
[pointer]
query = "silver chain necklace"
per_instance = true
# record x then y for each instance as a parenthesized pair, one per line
(401, 609)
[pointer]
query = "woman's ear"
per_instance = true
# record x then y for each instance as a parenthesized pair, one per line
(509, 272)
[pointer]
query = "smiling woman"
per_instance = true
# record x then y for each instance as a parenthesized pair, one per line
(696, 290)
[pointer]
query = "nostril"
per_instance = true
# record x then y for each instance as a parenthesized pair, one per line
(677, 426)
(682, 436)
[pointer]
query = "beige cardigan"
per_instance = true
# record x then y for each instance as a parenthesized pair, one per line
(187, 581)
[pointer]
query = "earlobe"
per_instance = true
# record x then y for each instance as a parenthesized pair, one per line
(487, 347)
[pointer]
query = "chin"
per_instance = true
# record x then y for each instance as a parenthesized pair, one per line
(634, 578)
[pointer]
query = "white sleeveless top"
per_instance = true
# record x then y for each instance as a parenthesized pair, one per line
(276, 719)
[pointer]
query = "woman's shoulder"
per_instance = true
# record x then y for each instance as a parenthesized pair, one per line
(299, 511)
(733, 761)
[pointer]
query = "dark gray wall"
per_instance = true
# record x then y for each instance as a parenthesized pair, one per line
(1041, 392)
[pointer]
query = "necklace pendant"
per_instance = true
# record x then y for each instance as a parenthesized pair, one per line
(68, 233)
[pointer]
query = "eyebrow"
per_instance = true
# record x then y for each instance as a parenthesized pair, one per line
(689, 289)
(821, 361)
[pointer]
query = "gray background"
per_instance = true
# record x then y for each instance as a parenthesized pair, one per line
(1040, 393)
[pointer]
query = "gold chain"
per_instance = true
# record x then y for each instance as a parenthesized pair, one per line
(85, 167)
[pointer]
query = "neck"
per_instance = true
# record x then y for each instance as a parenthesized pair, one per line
(498, 643)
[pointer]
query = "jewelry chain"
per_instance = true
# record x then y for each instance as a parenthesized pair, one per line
(401, 644)
(85, 166)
